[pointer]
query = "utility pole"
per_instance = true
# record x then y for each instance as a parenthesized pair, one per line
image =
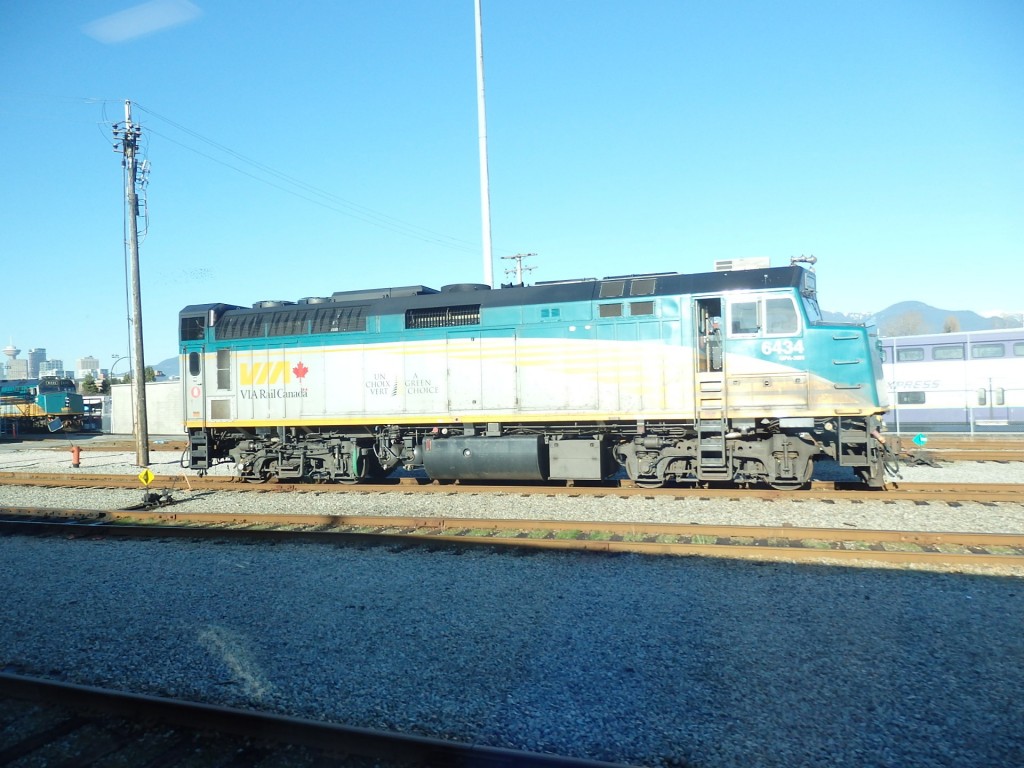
(127, 143)
(485, 192)
(518, 270)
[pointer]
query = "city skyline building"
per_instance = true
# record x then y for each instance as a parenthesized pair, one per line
(53, 368)
(13, 367)
(36, 357)
(87, 366)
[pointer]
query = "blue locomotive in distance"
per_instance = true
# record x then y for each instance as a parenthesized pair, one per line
(725, 377)
(33, 403)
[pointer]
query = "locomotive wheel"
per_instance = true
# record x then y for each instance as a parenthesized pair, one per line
(368, 468)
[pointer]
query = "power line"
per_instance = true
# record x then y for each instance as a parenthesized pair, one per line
(308, 192)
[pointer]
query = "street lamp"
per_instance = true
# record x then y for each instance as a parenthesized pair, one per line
(117, 359)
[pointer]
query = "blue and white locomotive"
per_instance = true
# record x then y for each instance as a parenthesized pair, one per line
(33, 403)
(720, 377)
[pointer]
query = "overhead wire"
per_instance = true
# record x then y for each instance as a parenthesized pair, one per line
(309, 193)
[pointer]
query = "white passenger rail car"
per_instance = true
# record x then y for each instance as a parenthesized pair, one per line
(956, 382)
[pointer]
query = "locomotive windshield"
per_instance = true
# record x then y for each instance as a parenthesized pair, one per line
(55, 384)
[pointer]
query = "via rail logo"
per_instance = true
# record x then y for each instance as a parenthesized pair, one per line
(250, 375)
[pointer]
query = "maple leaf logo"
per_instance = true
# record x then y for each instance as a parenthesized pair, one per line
(300, 371)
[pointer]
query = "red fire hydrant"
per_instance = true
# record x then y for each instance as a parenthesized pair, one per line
(76, 454)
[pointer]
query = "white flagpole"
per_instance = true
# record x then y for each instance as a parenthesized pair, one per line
(485, 194)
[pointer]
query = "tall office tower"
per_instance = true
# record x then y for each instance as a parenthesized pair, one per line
(36, 357)
(87, 366)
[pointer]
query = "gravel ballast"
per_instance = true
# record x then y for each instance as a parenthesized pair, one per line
(653, 661)
(868, 511)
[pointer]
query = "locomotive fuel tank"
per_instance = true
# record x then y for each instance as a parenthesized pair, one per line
(515, 457)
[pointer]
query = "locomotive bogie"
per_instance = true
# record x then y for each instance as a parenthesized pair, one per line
(567, 381)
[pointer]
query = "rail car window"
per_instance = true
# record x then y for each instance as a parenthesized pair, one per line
(744, 317)
(910, 398)
(643, 287)
(998, 396)
(1018, 349)
(987, 350)
(609, 310)
(641, 308)
(193, 328)
(194, 364)
(553, 313)
(948, 352)
(909, 354)
(223, 369)
(443, 317)
(612, 289)
(781, 316)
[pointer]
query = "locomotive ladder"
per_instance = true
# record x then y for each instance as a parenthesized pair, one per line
(712, 456)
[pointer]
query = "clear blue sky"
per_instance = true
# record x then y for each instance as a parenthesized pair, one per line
(303, 148)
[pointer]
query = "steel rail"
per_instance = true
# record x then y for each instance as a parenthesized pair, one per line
(740, 542)
(969, 454)
(899, 490)
(336, 738)
(1010, 441)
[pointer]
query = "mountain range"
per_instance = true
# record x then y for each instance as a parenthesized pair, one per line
(906, 318)
(909, 318)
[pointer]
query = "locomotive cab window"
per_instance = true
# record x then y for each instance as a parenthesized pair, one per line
(745, 318)
(781, 316)
(193, 328)
(768, 316)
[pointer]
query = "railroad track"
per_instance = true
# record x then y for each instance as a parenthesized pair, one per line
(1008, 447)
(787, 543)
(819, 490)
(966, 448)
(56, 723)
